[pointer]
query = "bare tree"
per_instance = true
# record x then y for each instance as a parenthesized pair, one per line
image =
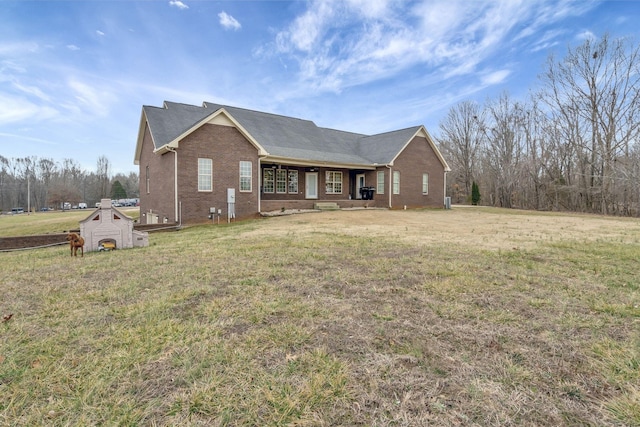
(504, 150)
(103, 173)
(461, 137)
(594, 95)
(43, 182)
(45, 171)
(4, 179)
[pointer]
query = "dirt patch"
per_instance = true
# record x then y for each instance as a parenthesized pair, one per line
(479, 228)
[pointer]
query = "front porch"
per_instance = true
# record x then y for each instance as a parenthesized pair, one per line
(308, 204)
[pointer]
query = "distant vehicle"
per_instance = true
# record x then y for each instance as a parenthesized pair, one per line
(66, 205)
(82, 206)
(45, 209)
(98, 204)
(16, 211)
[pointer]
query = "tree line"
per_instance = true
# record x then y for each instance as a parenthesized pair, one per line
(44, 183)
(573, 144)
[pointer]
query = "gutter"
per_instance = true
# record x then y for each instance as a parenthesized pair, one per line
(317, 163)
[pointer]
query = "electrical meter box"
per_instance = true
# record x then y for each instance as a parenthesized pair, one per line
(231, 195)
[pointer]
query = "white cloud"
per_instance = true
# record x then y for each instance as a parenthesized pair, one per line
(586, 35)
(100, 33)
(547, 40)
(339, 43)
(72, 47)
(89, 98)
(32, 91)
(495, 77)
(371, 8)
(228, 21)
(17, 48)
(15, 109)
(177, 3)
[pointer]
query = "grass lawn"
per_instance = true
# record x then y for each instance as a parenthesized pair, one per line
(386, 318)
(48, 222)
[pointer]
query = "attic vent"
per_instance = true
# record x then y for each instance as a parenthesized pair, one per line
(115, 216)
(96, 218)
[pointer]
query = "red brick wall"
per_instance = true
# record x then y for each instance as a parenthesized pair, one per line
(161, 197)
(371, 180)
(277, 201)
(416, 159)
(299, 196)
(226, 146)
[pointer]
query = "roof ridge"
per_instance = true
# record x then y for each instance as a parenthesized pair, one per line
(395, 131)
(264, 112)
(344, 131)
(165, 102)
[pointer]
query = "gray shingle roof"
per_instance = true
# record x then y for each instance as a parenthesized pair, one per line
(282, 136)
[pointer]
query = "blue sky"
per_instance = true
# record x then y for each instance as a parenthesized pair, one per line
(75, 74)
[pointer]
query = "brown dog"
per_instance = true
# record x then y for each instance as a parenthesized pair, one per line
(76, 241)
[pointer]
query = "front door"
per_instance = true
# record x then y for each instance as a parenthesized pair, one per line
(311, 185)
(359, 185)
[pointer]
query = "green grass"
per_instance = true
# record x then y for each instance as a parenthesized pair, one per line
(48, 222)
(213, 325)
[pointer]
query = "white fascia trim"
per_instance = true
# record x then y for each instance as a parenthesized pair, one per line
(261, 151)
(141, 128)
(422, 131)
(175, 143)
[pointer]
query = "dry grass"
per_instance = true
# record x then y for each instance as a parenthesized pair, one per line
(48, 222)
(462, 317)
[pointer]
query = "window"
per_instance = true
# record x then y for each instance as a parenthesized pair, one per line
(205, 175)
(293, 182)
(281, 181)
(147, 179)
(333, 181)
(268, 181)
(245, 176)
(425, 183)
(396, 182)
(380, 186)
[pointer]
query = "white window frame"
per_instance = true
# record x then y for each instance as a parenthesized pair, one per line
(292, 184)
(268, 180)
(425, 184)
(333, 182)
(205, 175)
(281, 181)
(396, 182)
(246, 176)
(380, 182)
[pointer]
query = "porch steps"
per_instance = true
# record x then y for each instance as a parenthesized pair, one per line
(326, 206)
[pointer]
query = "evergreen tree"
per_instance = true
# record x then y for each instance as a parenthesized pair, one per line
(475, 193)
(117, 191)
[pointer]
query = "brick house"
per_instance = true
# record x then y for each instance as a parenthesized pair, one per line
(243, 162)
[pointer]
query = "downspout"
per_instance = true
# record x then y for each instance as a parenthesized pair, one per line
(444, 190)
(259, 182)
(390, 185)
(175, 181)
